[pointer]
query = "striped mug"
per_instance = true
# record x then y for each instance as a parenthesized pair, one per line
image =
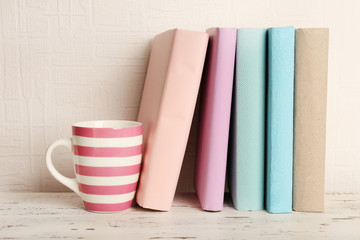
(107, 160)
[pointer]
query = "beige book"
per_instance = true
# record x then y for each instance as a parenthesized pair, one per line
(311, 67)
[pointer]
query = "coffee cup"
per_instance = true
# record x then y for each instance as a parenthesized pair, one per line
(107, 161)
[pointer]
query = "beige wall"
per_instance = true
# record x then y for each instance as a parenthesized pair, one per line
(65, 61)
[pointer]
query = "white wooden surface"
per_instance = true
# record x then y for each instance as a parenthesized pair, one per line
(61, 216)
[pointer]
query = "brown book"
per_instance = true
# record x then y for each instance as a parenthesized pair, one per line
(311, 67)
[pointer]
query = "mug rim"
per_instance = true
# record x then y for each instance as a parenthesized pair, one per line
(107, 124)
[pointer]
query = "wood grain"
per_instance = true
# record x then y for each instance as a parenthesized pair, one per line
(61, 216)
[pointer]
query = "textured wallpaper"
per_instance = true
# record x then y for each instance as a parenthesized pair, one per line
(65, 61)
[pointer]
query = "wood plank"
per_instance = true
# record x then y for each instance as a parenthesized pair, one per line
(61, 215)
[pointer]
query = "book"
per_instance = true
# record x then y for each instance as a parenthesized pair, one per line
(166, 111)
(279, 146)
(247, 131)
(214, 122)
(311, 69)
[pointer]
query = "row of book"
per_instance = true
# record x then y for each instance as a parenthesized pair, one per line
(262, 117)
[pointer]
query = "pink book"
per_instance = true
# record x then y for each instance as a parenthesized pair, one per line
(215, 108)
(166, 111)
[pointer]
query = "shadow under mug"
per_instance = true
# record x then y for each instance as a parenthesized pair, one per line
(107, 161)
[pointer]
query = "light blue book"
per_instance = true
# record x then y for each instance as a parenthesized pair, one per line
(279, 149)
(247, 134)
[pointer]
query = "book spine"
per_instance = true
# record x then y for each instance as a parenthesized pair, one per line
(310, 119)
(247, 132)
(215, 118)
(175, 84)
(280, 119)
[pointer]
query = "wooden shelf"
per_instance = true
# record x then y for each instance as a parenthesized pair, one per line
(61, 215)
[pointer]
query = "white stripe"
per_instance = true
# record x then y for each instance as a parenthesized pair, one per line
(107, 161)
(107, 181)
(91, 198)
(107, 142)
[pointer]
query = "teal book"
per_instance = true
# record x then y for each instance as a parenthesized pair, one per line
(280, 100)
(247, 129)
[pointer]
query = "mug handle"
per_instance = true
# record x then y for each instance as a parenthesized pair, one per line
(68, 182)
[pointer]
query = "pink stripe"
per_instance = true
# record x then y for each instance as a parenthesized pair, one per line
(107, 171)
(107, 151)
(107, 132)
(104, 207)
(107, 190)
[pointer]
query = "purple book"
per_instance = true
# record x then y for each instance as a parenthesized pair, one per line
(215, 109)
